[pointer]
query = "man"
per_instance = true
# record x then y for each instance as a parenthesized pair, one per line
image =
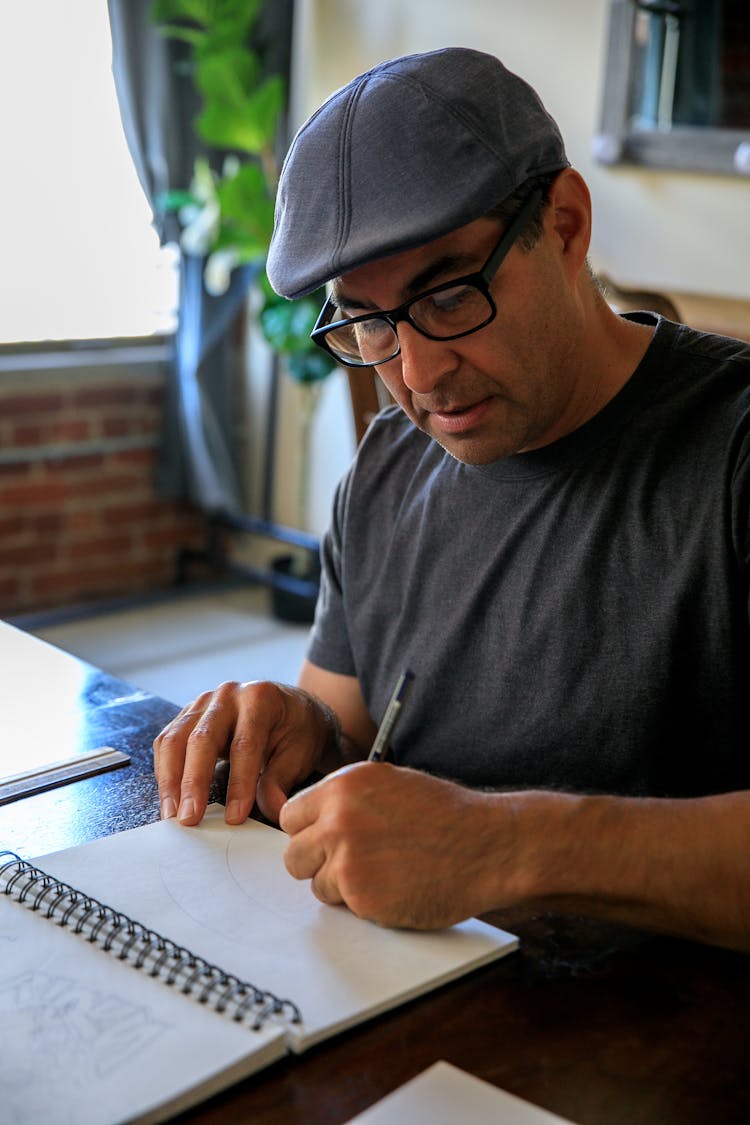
(550, 528)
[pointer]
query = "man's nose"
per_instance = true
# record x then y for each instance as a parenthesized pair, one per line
(424, 363)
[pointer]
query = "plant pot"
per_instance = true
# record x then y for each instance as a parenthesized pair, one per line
(295, 589)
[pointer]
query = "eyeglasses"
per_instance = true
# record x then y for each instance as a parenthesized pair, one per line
(446, 312)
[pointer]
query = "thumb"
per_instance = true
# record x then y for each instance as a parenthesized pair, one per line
(271, 796)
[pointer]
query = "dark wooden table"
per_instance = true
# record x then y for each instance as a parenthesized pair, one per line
(601, 1026)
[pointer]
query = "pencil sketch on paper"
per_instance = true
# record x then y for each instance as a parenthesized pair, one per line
(73, 1037)
(246, 884)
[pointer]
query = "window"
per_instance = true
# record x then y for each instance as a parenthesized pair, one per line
(79, 259)
(677, 87)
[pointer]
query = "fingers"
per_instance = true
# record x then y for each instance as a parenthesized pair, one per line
(185, 753)
(296, 748)
(248, 749)
(170, 748)
(314, 849)
(306, 858)
(300, 810)
(272, 793)
(304, 808)
(272, 749)
(325, 890)
(305, 855)
(273, 736)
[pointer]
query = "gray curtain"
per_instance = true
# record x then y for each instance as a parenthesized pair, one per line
(157, 104)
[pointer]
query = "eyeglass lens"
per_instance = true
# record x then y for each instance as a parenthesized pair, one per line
(447, 313)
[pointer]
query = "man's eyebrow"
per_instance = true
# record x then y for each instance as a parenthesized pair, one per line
(457, 264)
(342, 301)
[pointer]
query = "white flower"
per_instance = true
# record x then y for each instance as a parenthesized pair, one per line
(201, 229)
(203, 184)
(218, 270)
(230, 167)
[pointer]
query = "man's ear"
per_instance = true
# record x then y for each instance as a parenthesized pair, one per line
(569, 216)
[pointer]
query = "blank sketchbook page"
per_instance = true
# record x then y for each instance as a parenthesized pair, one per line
(444, 1095)
(224, 893)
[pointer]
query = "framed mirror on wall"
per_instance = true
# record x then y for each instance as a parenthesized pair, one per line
(677, 86)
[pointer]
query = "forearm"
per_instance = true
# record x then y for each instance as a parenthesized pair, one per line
(676, 866)
(406, 849)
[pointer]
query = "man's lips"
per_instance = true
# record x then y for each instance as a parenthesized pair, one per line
(457, 419)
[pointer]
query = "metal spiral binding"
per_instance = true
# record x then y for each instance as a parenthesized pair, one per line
(141, 947)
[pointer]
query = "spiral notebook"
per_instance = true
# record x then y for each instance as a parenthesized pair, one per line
(207, 963)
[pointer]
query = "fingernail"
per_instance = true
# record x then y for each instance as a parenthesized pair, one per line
(168, 808)
(187, 809)
(234, 812)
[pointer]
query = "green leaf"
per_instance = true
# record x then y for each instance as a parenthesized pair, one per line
(246, 205)
(241, 14)
(174, 200)
(243, 245)
(228, 128)
(225, 76)
(274, 321)
(265, 105)
(286, 326)
(167, 11)
(205, 22)
(187, 34)
(310, 367)
(247, 124)
(244, 191)
(304, 315)
(225, 33)
(240, 114)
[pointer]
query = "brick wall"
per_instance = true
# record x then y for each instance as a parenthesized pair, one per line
(80, 519)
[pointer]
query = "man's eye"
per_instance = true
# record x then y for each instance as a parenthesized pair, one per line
(448, 300)
(372, 329)
(450, 310)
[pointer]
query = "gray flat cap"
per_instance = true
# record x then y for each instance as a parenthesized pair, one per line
(406, 152)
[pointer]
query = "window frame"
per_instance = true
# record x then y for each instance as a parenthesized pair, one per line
(683, 148)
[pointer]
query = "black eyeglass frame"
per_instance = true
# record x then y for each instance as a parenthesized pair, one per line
(480, 280)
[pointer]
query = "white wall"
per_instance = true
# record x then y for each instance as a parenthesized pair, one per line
(676, 231)
(670, 230)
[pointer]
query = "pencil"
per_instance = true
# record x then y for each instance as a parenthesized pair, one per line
(379, 747)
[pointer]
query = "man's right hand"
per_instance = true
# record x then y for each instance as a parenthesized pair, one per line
(274, 736)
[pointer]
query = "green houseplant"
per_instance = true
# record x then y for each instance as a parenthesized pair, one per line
(226, 214)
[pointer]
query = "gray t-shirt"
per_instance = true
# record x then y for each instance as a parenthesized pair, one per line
(577, 616)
